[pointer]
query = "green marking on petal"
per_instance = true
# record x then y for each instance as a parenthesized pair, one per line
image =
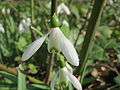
(63, 84)
(53, 49)
(61, 62)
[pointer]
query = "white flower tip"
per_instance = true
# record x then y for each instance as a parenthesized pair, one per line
(24, 58)
(76, 64)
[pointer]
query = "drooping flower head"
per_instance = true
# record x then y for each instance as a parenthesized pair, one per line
(63, 8)
(58, 43)
(24, 25)
(64, 75)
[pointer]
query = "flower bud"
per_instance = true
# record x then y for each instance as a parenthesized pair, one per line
(61, 62)
(55, 21)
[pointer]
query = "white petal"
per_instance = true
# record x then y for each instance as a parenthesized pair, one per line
(53, 81)
(25, 25)
(66, 23)
(62, 75)
(3, 11)
(20, 28)
(48, 5)
(2, 28)
(28, 21)
(59, 9)
(54, 39)
(66, 9)
(74, 81)
(32, 48)
(69, 68)
(69, 51)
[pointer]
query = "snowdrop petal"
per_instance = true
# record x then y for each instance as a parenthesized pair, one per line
(53, 81)
(2, 28)
(28, 21)
(65, 23)
(62, 76)
(20, 28)
(69, 68)
(25, 25)
(69, 51)
(48, 5)
(32, 48)
(66, 9)
(74, 81)
(54, 39)
(59, 9)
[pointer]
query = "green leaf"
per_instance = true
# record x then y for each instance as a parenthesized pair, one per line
(70, 87)
(40, 86)
(21, 44)
(65, 30)
(11, 77)
(89, 80)
(74, 10)
(105, 31)
(97, 52)
(33, 68)
(21, 79)
(117, 80)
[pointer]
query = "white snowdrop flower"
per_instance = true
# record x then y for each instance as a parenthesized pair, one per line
(24, 25)
(64, 77)
(28, 21)
(63, 8)
(3, 11)
(8, 11)
(2, 28)
(111, 2)
(48, 5)
(66, 23)
(57, 42)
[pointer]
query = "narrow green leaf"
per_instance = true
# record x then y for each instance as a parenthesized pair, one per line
(21, 79)
(117, 80)
(9, 76)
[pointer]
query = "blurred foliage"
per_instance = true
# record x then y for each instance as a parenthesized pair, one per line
(104, 55)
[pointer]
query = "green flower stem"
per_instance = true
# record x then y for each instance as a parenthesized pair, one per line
(51, 59)
(32, 11)
(32, 3)
(53, 7)
(89, 37)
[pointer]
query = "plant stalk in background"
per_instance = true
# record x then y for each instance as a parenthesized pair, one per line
(89, 37)
(32, 3)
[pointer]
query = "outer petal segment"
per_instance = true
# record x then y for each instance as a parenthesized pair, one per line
(32, 48)
(69, 68)
(53, 81)
(74, 81)
(69, 51)
(62, 76)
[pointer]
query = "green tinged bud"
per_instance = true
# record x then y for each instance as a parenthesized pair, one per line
(54, 50)
(55, 21)
(61, 62)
